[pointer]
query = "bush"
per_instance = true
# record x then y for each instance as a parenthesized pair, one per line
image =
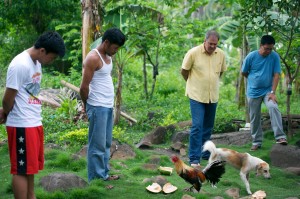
(76, 137)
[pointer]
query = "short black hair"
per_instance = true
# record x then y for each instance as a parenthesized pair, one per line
(267, 39)
(52, 42)
(114, 36)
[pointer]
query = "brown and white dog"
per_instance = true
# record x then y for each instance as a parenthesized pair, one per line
(242, 161)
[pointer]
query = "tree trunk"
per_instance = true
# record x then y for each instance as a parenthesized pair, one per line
(289, 125)
(118, 96)
(145, 75)
(155, 73)
(290, 79)
(242, 99)
(90, 24)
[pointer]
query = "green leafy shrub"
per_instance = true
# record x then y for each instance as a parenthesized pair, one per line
(168, 120)
(3, 134)
(76, 137)
(55, 125)
(120, 134)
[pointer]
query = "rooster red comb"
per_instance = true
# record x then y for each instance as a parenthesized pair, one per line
(174, 158)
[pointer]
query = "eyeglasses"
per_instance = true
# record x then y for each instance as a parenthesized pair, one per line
(267, 49)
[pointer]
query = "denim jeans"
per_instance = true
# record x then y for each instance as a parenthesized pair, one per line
(99, 141)
(255, 119)
(203, 118)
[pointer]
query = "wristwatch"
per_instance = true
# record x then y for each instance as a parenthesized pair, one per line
(273, 92)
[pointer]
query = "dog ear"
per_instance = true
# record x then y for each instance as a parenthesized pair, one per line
(258, 169)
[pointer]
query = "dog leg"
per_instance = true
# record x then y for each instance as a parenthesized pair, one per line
(245, 178)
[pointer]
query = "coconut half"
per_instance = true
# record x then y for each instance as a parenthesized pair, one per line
(154, 188)
(259, 195)
(169, 188)
(165, 170)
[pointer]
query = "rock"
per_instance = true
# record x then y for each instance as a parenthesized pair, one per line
(117, 151)
(81, 153)
(233, 193)
(234, 138)
(185, 196)
(285, 156)
(123, 152)
(150, 166)
(182, 137)
(184, 124)
(160, 180)
(246, 197)
(218, 197)
(294, 170)
(177, 146)
(182, 152)
(62, 182)
(144, 144)
(154, 160)
(157, 136)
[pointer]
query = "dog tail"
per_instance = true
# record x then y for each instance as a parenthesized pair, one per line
(211, 147)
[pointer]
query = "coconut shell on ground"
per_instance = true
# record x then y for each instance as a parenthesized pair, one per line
(169, 188)
(165, 170)
(154, 188)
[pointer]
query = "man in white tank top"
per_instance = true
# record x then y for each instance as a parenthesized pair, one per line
(97, 94)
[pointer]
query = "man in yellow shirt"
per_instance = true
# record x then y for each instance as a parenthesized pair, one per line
(202, 68)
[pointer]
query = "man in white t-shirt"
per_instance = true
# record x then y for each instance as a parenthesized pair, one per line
(22, 111)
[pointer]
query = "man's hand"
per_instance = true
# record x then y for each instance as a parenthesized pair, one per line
(272, 97)
(2, 116)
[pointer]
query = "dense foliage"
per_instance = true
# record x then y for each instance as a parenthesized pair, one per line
(160, 34)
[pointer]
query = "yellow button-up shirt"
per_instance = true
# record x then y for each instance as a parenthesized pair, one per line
(204, 74)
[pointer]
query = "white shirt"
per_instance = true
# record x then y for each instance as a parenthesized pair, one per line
(101, 88)
(24, 76)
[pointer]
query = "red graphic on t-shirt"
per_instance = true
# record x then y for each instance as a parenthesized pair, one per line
(34, 89)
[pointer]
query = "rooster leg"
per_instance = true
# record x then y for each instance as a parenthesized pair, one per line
(191, 189)
(213, 186)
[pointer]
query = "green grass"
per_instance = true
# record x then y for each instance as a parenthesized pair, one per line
(132, 172)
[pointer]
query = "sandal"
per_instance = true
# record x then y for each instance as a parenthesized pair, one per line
(112, 177)
(281, 141)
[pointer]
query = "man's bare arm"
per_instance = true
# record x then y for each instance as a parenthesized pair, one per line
(185, 74)
(88, 69)
(8, 102)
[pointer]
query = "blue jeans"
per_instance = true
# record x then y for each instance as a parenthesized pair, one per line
(99, 141)
(203, 118)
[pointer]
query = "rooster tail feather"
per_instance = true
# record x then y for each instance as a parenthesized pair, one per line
(214, 171)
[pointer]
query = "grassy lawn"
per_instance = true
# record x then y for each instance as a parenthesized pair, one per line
(132, 172)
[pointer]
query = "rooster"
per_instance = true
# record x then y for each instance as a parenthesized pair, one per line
(212, 173)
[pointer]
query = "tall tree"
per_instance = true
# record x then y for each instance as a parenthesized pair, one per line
(90, 24)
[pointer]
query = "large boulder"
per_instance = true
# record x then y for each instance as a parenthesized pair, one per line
(157, 136)
(62, 182)
(234, 138)
(285, 156)
(122, 152)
